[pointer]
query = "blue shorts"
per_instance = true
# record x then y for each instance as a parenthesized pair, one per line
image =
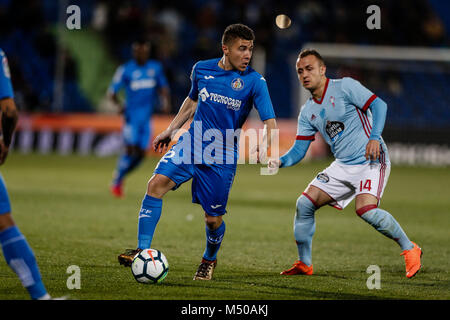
(211, 184)
(137, 134)
(5, 205)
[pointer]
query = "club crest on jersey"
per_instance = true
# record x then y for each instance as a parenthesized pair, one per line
(334, 129)
(323, 177)
(332, 101)
(237, 84)
(136, 74)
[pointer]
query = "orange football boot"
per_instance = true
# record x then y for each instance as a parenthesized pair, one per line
(298, 268)
(412, 260)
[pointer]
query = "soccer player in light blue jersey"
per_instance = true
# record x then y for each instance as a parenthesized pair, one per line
(143, 80)
(351, 119)
(16, 250)
(223, 92)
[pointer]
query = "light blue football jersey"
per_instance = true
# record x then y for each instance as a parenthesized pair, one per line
(141, 83)
(225, 99)
(6, 90)
(343, 118)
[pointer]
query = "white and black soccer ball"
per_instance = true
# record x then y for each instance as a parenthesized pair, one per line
(150, 266)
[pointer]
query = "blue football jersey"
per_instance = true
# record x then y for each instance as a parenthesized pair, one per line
(225, 99)
(141, 83)
(6, 90)
(343, 118)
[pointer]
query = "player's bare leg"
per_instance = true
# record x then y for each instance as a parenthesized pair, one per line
(206, 268)
(157, 187)
(366, 206)
(304, 227)
(6, 221)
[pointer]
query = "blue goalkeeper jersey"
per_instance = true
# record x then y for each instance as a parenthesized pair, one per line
(343, 118)
(6, 90)
(225, 99)
(141, 83)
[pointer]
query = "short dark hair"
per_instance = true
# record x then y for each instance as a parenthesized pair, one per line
(311, 52)
(237, 30)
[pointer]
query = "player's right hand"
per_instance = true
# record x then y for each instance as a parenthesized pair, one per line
(273, 165)
(161, 142)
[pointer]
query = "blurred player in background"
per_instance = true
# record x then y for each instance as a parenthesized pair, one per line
(143, 80)
(351, 119)
(16, 250)
(223, 92)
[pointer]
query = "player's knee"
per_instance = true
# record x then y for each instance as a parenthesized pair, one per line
(365, 211)
(304, 222)
(379, 219)
(6, 221)
(157, 187)
(305, 208)
(213, 222)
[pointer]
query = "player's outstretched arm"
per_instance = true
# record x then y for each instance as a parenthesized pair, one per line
(187, 110)
(294, 155)
(9, 117)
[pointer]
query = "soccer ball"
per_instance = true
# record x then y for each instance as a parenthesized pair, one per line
(150, 266)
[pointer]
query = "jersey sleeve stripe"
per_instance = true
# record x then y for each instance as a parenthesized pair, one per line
(312, 138)
(362, 122)
(366, 121)
(368, 102)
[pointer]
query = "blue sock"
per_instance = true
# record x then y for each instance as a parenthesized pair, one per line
(21, 259)
(213, 241)
(385, 223)
(304, 228)
(148, 219)
(125, 165)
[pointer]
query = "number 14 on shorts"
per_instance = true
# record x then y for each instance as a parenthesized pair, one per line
(365, 185)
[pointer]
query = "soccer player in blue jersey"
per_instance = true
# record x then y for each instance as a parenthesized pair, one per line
(222, 94)
(351, 119)
(143, 80)
(16, 250)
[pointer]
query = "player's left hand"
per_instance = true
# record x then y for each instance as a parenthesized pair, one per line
(372, 150)
(161, 142)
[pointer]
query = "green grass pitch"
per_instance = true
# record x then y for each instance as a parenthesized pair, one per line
(63, 207)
